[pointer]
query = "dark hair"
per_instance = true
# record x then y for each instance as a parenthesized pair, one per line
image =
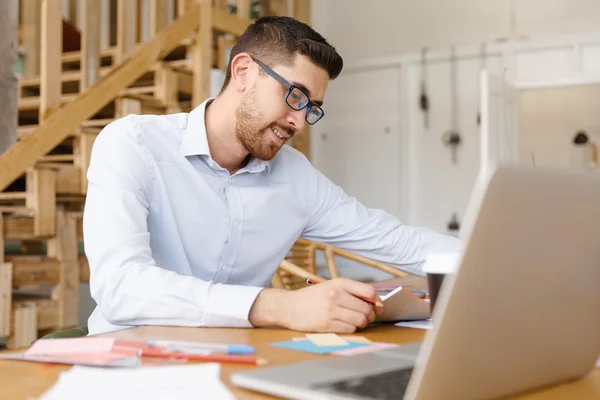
(277, 40)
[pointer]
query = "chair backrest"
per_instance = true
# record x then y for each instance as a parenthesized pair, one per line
(300, 263)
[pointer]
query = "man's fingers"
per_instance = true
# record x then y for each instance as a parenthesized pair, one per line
(346, 300)
(352, 317)
(359, 289)
(338, 326)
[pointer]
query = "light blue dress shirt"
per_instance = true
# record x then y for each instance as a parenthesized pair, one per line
(174, 239)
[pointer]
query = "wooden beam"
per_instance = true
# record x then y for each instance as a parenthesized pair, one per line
(2, 255)
(73, 12)
(126, 29)
(126, 106)
(224, 22)
(202, 54)
(64, 248)
(41, 197)
(32, 36)
(18, 227)
(159, 15)
(34, 270)
(28, 150)
(302, 11)
(167, 92)
(243, 9)
(5, 298)
(25, 328)
(68, 180)
(90, 44)
(51, 53)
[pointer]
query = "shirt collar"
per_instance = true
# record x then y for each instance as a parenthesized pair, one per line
(194, 138)
(195, 142)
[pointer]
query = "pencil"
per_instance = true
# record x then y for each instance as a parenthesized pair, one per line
(205, 357)
(367, 299)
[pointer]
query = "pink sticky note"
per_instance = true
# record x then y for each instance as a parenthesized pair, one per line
(365, 349)
(72, 346)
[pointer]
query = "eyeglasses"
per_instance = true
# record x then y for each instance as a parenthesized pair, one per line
(295, 97)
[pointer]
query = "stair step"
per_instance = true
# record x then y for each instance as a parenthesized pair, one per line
(18, 227)
(57, 158)
(17, 210)
(9, 196)
(75, 56)
(33, 102)
(66, 76)
(97, 124)
(34, 270)
(47, 309)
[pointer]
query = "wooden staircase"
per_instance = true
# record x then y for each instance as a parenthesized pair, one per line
(62, 108)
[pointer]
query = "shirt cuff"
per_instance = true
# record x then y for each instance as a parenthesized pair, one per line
(229, 305)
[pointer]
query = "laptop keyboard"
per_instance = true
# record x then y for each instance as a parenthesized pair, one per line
(385, 386)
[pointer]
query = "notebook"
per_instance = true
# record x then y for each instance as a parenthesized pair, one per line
(402, 305)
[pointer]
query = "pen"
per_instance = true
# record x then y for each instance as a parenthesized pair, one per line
(204, 357)
(367, 299)
(197, 346)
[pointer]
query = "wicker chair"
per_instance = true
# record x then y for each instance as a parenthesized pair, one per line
(300, 264)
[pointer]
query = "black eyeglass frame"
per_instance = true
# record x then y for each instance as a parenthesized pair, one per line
(309, 104)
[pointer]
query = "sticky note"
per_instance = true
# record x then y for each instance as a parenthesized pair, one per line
(309, 347)
(72, 345)
(359, 350)
(352, 338)
(326, 339)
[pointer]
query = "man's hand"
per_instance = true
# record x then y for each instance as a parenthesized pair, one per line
(331, 306)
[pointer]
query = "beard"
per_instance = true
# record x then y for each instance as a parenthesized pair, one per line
(253, 132)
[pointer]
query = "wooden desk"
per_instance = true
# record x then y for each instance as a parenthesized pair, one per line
(22, 380)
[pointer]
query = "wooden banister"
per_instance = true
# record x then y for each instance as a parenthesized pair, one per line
(227, 23)
(57, 127)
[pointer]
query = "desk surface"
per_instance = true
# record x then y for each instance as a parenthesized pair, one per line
(22, 380)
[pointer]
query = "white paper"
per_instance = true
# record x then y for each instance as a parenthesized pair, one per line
(421, 324)
(390, 294)
(189, 381)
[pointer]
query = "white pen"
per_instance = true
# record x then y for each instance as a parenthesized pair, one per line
(213, 347)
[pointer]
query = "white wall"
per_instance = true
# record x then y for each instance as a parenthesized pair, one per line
(387, 35)
(550, 118)
(374, 28)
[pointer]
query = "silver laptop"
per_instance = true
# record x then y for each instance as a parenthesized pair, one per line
(520, 313)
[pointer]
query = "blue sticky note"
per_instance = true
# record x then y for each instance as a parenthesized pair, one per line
(310, 347)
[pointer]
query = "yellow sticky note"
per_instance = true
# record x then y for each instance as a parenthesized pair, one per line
(358, 339)
(326, 339)
(298, 338)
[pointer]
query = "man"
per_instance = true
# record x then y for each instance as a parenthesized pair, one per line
(188, 216)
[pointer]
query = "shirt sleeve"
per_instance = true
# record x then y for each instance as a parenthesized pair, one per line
(125, 280)
(344, 222)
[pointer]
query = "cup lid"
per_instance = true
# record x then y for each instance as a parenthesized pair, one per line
(441, 263)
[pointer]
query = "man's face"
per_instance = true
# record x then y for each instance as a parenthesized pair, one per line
(263, 114)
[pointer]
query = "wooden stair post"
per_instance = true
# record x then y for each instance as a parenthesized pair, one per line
(41, 197)
(64, 248)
